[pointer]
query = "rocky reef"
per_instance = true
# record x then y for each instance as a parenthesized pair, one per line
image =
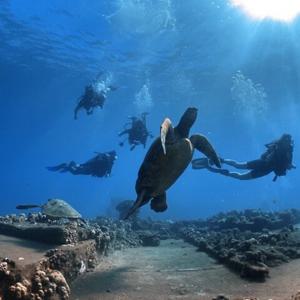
(253, 220)
(248, 242)
(77, 248)
(48, 278)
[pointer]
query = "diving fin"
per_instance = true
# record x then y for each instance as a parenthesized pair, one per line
(57, 168)
(200, 163)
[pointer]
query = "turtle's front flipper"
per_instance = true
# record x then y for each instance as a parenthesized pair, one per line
(159, 203)
(140, 201)
(201, 143)
(166, 131)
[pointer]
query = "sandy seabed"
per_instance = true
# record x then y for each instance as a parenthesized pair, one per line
(22, 251)
(176, 270)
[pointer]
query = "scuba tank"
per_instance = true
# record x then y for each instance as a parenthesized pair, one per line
(280, 155)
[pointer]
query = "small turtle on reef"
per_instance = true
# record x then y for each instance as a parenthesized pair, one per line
(55, 208)
(167, 159)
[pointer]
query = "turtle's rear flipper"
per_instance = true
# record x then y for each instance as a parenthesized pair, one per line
(166, 132)
(140, 201)
(201, 143)
(159, 203)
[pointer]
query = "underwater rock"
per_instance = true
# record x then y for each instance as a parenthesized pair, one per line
(39, 227)
(232, 238)
(220, 297)
(123, 208)
(72, 259)
(148, 239)
(250, 253)
(49, 277)
(254, 220)
(48, 284)
(119, 234)
(103, 241)
(296, 296)
(41, 233)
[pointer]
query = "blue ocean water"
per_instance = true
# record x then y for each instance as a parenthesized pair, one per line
(164, 56)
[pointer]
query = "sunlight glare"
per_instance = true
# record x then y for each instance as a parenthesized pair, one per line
(281, 10)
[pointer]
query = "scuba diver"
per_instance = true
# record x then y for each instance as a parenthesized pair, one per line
(137, 132)
(98, 166)
(278, 158)
(93, 98)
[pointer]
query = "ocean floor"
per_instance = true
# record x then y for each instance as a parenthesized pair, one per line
(176, 270)
(22, 251)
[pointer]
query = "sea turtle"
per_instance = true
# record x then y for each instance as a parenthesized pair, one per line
(55, 208)
(166, 160)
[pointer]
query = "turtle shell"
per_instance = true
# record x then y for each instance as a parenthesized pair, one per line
(58, 208)
(159, 171)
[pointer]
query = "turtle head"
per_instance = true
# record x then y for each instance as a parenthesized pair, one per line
(186, 122)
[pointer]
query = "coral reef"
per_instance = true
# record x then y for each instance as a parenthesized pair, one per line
(41, 228)
(48, 278)
(249, 242)
(296, 296)
(32, 283)
(254, 220)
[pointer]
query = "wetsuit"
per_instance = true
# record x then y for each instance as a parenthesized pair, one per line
(99, 166)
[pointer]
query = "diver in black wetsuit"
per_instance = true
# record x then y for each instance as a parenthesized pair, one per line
(137, 132)
(92, 98)
(278, 158)
(98, 166)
